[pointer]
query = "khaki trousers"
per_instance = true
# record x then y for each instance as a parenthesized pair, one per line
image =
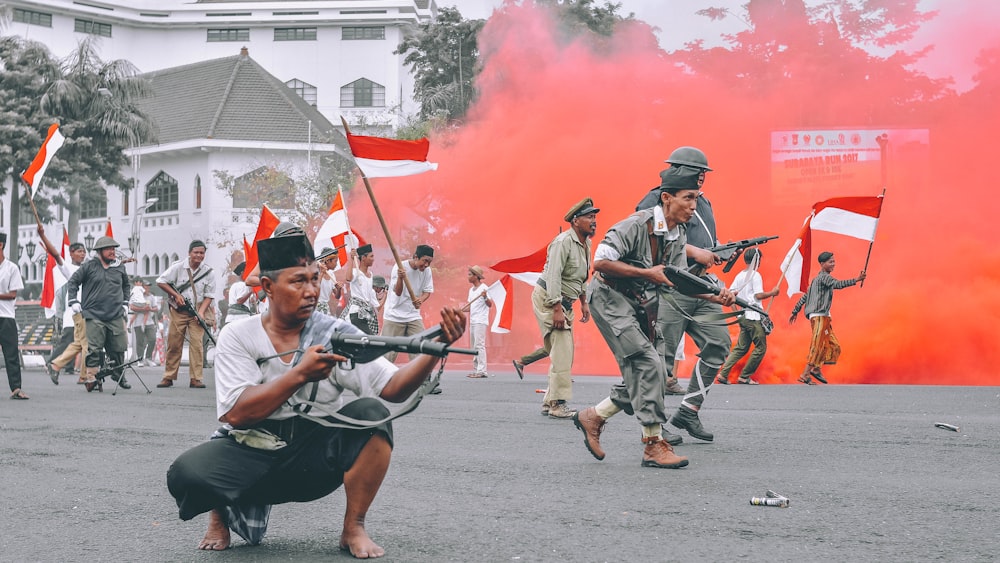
(559, 345)
(181, 324)
(78, 346)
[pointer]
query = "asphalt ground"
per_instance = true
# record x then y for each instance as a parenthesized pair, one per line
(479, 475)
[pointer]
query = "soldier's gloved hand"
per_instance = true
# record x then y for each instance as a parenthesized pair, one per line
(76, 308)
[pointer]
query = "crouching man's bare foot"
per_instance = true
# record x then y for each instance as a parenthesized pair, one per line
(217, 536)
(355, 539)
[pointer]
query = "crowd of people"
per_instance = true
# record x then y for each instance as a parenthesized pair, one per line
(272, 369)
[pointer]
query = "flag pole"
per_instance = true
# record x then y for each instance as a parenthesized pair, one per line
(871, 243)
(31, 200)
(385, 228)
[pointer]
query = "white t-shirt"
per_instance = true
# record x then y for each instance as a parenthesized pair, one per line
(236, 292)
(479, 311)
(67, 270)
(399, 308)
(746, 289)
(243, 341)
(138, 298)
(362, 289)
(10, 280)
(325, 288)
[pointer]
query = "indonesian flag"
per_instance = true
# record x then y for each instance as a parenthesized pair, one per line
(336, 232)
(107, 230)
(265, 227)
(54, 278)
(850, 216)
(385, 158)
(527, 269)
(33, 175)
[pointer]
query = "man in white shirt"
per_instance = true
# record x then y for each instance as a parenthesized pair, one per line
(365, 303)
(187, 279)
(750, 286)
(267, 453)
(402, 310)
(478, 306)
(10, 284)
(142, 305)
(241, 297)
(74, 332)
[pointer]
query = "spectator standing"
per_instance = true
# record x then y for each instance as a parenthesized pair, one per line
(10, 284)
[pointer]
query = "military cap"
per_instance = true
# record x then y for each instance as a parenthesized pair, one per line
(105, 242)
(326, 253)
(583, 207)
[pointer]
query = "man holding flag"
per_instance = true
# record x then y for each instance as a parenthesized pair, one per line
(74, 333)
(824, 347)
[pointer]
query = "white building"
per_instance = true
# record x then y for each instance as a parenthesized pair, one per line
(237, 84)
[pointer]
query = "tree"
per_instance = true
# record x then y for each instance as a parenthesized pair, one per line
(444, 59)
(26, 70)
(579, 16)
(95, 103)
(816, 52)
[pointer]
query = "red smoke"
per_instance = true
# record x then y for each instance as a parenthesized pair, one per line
(556, 123)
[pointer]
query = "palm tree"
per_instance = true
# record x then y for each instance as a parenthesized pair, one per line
(95, 103)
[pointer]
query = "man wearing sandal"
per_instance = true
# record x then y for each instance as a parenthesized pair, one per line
(10, 284)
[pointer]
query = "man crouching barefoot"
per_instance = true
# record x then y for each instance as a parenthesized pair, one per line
(266, 453)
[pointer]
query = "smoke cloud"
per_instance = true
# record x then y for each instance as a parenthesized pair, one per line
(557, 122)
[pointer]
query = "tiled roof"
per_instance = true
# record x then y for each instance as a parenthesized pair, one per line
(232, 98)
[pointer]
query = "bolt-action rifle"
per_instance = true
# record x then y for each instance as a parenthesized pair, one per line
(731, 252)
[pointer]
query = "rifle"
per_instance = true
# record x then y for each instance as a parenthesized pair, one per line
(731, 252)
(188, 307)
(360, 348)
(690, 284)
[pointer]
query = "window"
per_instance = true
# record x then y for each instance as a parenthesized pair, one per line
(367, 32)
(305, 91)
(145, 265)
(229, 34)
(125, 198)
(93, 208)
(197, 191)
(156, 264)
(295, 34)
(26, 216)
(32, 17)
(92, 27)
(264, 185)
(164, 188)
(362, 93)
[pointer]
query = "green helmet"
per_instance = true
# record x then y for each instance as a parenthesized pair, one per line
(689, 156)
(105, 242)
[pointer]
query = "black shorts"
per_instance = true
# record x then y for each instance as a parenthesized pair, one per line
(222, 472)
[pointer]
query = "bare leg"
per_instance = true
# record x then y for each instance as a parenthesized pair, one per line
(361, 484)
(217, 536)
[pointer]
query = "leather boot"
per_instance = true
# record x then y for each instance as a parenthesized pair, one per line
(659, 453)
(673, 388)
(687, 419)
(591, 424)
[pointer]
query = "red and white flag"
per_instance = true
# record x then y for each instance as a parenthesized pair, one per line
(34, 173)
(336, 232)
(378, 157)
(527, 269)
(265, 227)
(850, 216)
(54, 278)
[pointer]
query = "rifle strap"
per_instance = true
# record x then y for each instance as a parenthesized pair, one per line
(343, 421)
(183, 287)
(706, 318)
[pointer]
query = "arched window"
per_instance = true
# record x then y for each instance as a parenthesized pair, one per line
(24, 271)
(164, 188)
(175, 259)
(305, 90)
(362, 93)
(156, 264)
(125, 198)
(197, 191)
(145, 265)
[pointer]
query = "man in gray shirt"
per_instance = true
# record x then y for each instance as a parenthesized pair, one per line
(824, 348)
(103, 304)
